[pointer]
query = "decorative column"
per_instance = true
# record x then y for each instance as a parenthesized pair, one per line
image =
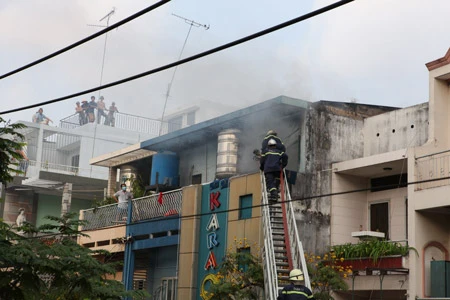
(66, 198)
(112, 178)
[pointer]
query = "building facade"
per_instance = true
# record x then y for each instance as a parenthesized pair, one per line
(402, 190)
(215, 161)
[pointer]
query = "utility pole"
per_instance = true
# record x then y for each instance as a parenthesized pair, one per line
(191, 24)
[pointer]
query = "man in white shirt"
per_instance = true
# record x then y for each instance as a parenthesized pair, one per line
(122, 198)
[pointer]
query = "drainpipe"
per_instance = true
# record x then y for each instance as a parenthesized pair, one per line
(406, 220)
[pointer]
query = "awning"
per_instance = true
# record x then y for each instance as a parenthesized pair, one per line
(121, 156)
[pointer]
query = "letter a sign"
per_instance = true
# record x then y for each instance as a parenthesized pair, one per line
(213, 223)
(211, 261)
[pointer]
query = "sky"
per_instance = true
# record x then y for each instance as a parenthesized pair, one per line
(371, 52)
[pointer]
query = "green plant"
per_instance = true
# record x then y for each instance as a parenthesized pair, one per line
(240, 275)
(137, 186)
(373, 249)
(9, 150)
(47, 263)
(326, 275)
(105, 201)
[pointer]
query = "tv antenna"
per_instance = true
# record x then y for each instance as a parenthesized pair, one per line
(191, 24)
(107, 17)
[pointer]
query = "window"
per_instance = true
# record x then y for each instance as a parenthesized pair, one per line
(75, 161)
(196, 179)
(388, 182)
(190, 120)
(243, 258)
(175, 123)
(379, 218)
(168, 288)
(245, 207)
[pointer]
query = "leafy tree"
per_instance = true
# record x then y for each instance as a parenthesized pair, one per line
(240, 276)
(327, 275)
(9, 148)
(47, 263)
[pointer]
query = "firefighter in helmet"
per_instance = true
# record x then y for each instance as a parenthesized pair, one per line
(296, 290)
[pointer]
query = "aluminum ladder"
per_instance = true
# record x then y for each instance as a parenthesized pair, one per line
(283, 250)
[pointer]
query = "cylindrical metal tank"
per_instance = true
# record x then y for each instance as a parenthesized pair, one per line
(126, 173)
(165, 169)
(227, 153)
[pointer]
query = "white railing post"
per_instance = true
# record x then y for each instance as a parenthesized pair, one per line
(269, 264)
(298, 256)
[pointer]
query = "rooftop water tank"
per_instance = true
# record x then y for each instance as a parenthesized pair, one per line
(126, 173)
(227, 153)
(165, 169)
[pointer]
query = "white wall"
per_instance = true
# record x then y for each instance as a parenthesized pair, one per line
(398, 129)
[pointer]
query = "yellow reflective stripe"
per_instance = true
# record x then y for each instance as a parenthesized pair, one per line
(273, 153)
(297, 293)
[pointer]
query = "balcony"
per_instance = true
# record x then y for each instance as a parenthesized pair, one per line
(145, 208)
(431, 168)
(127, 122)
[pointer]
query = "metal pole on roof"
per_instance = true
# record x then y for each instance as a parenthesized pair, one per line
(169, 86)
(107, 17)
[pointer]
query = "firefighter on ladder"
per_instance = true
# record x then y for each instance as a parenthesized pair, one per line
(296, 290)
(272, 162)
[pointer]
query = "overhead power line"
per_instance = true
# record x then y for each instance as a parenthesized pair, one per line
(191, 58)
(101, 32)
(389, 186)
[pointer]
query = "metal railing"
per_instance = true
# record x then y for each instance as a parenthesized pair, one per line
(157, 206)
(268, 255)
(298, 255)
(31, 168)
(433, 168)
(144, 208)
(125, 121)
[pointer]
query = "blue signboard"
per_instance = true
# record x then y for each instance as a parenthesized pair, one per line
(213, 233)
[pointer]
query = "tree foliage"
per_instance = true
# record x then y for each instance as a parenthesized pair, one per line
(327, 275)
(9, 146)
(47, 263)
(240, 276)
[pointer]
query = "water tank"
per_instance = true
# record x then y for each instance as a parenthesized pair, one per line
(227, 153)
(165, 169)
(126, 173)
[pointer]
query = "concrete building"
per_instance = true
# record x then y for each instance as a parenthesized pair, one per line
(60, 155)
(403, 191)
(198, 159)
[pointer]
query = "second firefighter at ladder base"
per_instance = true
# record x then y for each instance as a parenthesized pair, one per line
(296, 290)
(272, 162)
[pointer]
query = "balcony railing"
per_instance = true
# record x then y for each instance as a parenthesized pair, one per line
(432, 168)
(31, 168)
(144, 208)
(125, 121)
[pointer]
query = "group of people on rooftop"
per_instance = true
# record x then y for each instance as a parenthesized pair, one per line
(86, 111)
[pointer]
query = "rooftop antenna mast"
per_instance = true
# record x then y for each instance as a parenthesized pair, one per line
(191, 24)
(107, 17)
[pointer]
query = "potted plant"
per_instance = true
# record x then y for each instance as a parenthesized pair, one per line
(372, 254)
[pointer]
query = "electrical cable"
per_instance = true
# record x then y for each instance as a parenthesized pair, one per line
(389, 186)
(91, 37)
(193, 57)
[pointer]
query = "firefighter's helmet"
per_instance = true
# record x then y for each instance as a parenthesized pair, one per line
(271, 132)
(271, 142)
(296, 275)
